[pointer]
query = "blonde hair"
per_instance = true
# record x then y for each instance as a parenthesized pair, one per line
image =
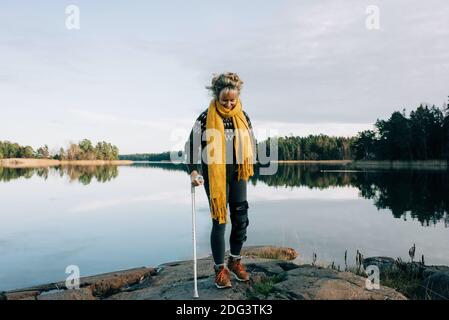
(225, 81)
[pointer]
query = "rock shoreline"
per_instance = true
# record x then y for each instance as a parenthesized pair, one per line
(274, 276)
(429, 282)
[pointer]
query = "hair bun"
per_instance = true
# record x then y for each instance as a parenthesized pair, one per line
(225, 80)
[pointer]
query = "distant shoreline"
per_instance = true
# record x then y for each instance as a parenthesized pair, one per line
(37, 163)
(399, 164)
(393, 164)
(312, 161)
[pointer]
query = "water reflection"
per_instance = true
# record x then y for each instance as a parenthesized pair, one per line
(420, 194)
(81, 174)
(47, 223)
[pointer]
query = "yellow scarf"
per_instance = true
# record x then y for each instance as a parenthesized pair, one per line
(216, 153)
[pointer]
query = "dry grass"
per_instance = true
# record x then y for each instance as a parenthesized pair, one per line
(280, 253)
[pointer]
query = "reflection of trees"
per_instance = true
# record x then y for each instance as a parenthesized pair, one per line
(169, 166)
(8, 174)
(309, 175)
(85, 174)
(421, 194)
(286, 176)
(82, 174)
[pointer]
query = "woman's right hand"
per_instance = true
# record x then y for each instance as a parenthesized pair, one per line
(196, 178)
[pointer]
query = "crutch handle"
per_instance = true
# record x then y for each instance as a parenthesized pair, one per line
(198, 179)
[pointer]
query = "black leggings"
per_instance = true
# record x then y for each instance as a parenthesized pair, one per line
(238, 205)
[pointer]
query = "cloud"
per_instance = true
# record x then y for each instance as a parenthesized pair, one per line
(262, 128)
(317, 62)
(114, 120)
(307, 66)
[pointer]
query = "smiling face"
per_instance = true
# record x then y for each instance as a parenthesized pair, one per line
(228, 98)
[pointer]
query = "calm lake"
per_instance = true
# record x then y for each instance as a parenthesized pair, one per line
(105, 219)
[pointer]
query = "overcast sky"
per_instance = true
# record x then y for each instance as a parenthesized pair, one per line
(134, 73)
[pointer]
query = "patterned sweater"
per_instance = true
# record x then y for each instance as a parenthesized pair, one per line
(194, 145)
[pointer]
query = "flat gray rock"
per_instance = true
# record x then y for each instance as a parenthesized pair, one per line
(273, 276)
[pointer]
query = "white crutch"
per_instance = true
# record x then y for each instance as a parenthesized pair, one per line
(200, 180)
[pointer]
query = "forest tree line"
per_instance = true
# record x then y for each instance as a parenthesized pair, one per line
(84, 150)
(312, 147)
(423, 135)
(164, 156)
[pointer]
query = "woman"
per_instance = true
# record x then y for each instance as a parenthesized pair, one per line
(223, 135)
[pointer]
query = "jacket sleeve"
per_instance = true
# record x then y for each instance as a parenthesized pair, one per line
(252, 134)
(192, 148)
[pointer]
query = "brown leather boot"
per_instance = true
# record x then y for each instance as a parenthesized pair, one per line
(237, 269)
(222, 277)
